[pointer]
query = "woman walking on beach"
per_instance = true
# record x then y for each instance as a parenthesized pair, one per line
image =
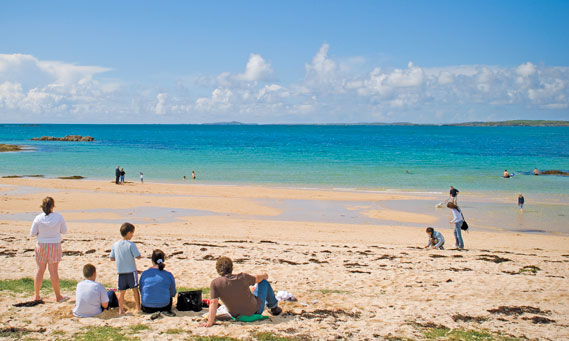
(48, 227)
(457, 220)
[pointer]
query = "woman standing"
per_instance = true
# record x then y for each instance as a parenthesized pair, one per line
(457, 220)
(48, 227)
(157, 287)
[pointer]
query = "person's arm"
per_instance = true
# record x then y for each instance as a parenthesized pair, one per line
(63, 226)
(34, 230)
(172, 286)
(134, 251)
(261, 277)
(212, 312)
(429, 243)
(112, 255)
(104, 298)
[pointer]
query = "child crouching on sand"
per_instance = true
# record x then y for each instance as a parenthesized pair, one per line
(124, 252)
(436, 239)
(91, 297)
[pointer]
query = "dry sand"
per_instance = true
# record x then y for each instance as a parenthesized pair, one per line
(355, 281)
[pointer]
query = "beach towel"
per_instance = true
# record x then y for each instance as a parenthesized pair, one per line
(250, 318)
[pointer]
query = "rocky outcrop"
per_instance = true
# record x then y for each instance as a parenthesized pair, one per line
(554, 172)
(74, 138)
(10, 148)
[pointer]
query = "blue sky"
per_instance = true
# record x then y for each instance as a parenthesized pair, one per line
(283, 62)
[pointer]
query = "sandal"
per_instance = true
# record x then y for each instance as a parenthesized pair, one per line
(63, 299)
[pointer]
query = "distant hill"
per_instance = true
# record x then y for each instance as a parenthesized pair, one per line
(514, 123)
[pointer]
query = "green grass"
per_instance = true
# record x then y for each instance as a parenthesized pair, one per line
(267, 336)
(13, 334)
(102, 333)
(332, 291)
(464, 335)
(138, 327)
(205, 290)
(174, 331)
(26, 285)
(529, 269)
(211, 338)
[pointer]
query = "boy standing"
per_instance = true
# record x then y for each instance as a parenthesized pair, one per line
(124, 252)
(91, 297)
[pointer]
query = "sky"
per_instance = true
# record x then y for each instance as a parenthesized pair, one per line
(283, 61)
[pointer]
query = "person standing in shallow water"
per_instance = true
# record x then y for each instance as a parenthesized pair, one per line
(457, 220)
(193, 175)
(453, 195)
(521, 201)
(123, 173)
(117, 174)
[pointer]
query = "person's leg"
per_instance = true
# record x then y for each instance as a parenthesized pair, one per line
(136, 294)
(265, 293)
(54, 277)
(39, 279)
(458, 235)
(113, 300)
(121, 301)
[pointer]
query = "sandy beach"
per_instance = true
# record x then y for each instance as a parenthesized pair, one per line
(365, 279)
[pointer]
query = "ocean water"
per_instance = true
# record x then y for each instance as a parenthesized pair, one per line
(348, 157)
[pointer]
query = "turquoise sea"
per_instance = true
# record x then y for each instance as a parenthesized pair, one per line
(323, 156)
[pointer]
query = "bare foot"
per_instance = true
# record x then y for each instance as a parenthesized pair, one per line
(122, 311)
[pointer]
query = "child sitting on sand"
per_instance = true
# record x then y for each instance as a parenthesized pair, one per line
(436, 239)
(91, 297)
(124, 252)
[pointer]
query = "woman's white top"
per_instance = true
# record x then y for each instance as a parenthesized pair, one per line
(48, 228)
(456, 216)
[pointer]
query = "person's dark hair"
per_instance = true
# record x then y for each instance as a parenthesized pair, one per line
(224, 266)
(126, 228)
(89, 270)
(452, 205)
(47, 205)
(430, 230)
(158, 258)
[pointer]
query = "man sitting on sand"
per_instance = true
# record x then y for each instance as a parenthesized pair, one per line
(235, 293)
(91, 297)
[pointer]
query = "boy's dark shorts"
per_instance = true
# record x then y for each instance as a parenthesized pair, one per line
(128, 281)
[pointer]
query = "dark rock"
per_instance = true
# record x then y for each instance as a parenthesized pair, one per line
(554, 172)
(73, 138)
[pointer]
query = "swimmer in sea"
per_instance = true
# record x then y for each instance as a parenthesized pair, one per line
(535, 171)
(506, 174)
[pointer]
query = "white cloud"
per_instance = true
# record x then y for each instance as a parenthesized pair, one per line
(257, 69)
(161, 103)
(332, 90)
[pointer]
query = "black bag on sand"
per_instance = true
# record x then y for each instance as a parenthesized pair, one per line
(189, 300)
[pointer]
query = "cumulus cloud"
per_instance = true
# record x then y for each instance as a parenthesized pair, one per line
(257, 69)
(160, 104)
(29, 85)
(332, 90)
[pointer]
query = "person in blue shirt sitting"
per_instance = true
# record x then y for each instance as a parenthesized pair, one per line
(436, 239)
(157, 287)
